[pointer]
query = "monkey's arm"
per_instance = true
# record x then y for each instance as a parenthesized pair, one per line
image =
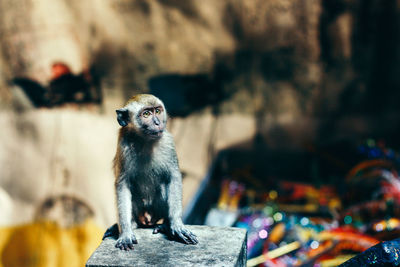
(177, 229)
(124, 201)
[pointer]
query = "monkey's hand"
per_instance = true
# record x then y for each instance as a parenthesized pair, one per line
(182, 234)
(126, 241)
(178, 232)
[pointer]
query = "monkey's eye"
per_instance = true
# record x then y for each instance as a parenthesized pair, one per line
(146, 114)
(158, 111)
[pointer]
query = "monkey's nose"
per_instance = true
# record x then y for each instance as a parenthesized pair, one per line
(156, 121)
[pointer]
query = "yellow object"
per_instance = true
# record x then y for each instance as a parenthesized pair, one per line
(277, 233)
(46, 244)
(336, 261)
(224, 196)
(273, 194)
(293, 208)
(274, 254)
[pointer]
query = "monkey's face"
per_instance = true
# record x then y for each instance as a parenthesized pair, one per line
(144, 114)
(151, 121)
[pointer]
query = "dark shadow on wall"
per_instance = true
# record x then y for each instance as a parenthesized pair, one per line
(370, 93)
(356, 95)
(186, 94)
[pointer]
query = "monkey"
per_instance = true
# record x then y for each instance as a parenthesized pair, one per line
(148, 181)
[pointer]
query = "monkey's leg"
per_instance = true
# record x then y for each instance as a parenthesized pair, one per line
(113, 231)
(175, 229)
(124, 200)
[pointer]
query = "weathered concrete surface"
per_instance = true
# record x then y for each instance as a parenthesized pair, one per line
(218, 246)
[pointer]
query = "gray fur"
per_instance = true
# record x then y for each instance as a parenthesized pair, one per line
(149, 181)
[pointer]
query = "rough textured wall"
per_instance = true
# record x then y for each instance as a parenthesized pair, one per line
(291, 71)
(312, 50)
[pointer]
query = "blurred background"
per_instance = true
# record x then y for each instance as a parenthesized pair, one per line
(272, 103)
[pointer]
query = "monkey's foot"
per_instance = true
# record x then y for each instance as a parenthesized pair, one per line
(112, 232)
(126, 241)
(181, 234)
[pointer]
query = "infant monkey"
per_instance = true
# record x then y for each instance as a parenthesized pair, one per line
(147, 178)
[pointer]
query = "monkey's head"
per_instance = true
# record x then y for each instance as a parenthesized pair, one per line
(145, 114)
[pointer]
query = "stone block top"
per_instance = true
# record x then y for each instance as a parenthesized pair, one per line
(218, 246)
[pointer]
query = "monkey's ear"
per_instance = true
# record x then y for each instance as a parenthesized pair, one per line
(122, 116)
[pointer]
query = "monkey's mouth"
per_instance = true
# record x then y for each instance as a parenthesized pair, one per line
(155, 134)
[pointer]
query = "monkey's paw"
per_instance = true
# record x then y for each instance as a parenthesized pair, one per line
(112, 232)
(182, 234)
(126, 241)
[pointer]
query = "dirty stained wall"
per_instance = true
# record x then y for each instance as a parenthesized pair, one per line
(295, 72)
